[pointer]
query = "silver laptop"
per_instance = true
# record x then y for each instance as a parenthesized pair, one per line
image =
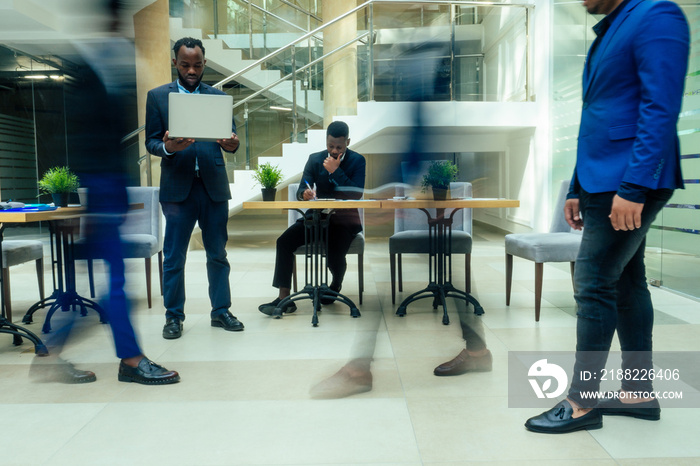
(203, 117)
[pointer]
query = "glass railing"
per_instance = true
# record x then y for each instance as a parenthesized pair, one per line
(429, 51)
(257, 27)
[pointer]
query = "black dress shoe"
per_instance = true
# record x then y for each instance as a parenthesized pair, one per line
(148, 373)
(648, 410)
(268, 308)
(334, 287)
(227, 321)
(172, 328)
(560, 420)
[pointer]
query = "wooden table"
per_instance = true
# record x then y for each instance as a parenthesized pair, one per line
(439, 227)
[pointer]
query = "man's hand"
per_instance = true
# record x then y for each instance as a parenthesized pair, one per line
(177, 144)
(229, 145)
(625, 215)
(309, 195)
(331, 164)
(572, 214)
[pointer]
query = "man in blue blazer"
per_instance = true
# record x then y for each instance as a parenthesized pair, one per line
(627, 166)
(193, 188)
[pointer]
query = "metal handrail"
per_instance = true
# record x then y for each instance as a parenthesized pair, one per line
(279, 18)
(311, 34)
(299, 70)
(271, 55)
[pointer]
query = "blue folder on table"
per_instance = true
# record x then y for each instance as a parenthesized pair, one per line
(30, 208)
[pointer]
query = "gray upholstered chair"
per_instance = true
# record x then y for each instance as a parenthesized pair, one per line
(411, 236)
(356, 247)
(141, 234)
(560, 244)
(15, 252)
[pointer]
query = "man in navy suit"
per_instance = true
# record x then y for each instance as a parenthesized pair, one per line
(627, 166)
(334, 173)
(193, 188)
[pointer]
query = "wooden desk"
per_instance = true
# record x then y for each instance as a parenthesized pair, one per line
(439, 227)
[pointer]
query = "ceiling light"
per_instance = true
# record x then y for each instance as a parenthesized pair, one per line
(36, 76)
(281, 109)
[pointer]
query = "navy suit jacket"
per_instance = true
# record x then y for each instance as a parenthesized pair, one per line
(347, 182)
(632, 94)
(177, 170)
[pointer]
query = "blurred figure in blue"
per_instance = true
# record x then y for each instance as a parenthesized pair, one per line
(95, 122)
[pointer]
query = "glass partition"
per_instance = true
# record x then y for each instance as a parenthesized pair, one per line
(673, 243)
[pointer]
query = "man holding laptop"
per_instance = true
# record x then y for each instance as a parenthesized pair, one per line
(335, 173)
(193, 185)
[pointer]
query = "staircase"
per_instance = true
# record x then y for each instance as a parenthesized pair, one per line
(377, 127)
(229, 61)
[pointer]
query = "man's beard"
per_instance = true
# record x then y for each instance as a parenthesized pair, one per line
(185, 84)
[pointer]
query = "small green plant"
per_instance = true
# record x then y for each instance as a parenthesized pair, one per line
(268, 176)
(440, 174)
(58, 180)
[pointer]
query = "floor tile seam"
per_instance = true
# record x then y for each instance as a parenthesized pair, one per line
(401, 382)
(78, 432)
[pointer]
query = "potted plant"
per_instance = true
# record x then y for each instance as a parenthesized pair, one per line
(440, 174)
(268, 177)
(59, 182)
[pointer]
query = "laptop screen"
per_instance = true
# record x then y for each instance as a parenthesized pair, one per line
(203, 117)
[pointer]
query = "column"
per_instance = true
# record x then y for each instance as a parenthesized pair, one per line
(153, 67)
(340, 69)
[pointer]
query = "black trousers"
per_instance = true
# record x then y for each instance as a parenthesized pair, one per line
(339, 241)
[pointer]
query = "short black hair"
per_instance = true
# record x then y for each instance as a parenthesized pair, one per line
(338, 129)
(188, 42)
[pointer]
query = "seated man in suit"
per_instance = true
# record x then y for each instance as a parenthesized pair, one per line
(334, 173)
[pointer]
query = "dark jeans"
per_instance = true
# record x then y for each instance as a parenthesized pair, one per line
(180, 218)
(611, 293)
(338, 245)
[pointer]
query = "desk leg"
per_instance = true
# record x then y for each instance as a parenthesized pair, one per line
(316, 233)
(64, 296)
(440, 269)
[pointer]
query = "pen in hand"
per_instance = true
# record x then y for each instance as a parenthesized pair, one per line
(313, 190)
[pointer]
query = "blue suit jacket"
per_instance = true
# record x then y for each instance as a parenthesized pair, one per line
(632, 93)
(177, 171)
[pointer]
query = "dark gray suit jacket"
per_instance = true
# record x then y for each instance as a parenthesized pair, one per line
(177, 171)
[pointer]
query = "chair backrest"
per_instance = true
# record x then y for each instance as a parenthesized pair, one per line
(293, 215)
(147, 220)
(415, 219)
(558, 220)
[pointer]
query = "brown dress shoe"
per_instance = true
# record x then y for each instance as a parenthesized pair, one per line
(58, 370)
(464, 363)
(344, 383)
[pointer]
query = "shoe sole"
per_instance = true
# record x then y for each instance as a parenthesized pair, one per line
(548, 431)
(172, 337)
(268, 310)
(128, 378)
(220, 325)
(645, 417)
(448, 374)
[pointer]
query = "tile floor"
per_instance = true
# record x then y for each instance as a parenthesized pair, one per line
(244, 397)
